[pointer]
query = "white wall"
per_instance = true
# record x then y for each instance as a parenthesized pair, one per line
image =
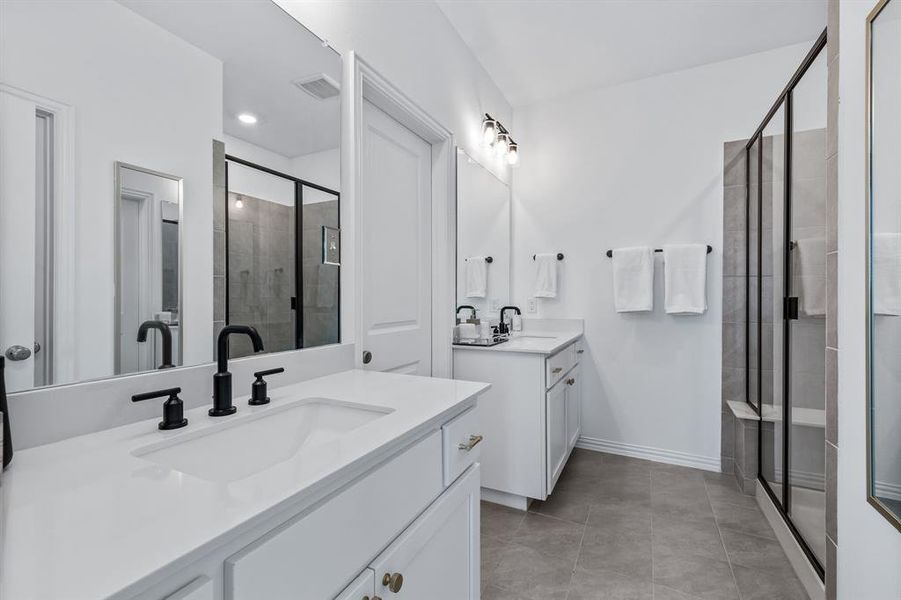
(159, 110)
(415, 47)
(640, 163)
(869, 548)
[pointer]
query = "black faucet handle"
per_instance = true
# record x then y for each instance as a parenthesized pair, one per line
(258, 389)
(173, 407)
(261, 374)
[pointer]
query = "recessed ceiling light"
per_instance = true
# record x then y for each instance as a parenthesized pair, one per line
(247, 118)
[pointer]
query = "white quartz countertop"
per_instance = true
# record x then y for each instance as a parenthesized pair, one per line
(84, 518)
(535, 342)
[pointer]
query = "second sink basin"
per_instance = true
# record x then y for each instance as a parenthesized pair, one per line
(241, 447)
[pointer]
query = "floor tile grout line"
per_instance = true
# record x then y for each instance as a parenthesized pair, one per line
(572, 575)
(723, 542)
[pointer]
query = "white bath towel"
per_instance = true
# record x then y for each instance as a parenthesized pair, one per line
(633, 279)
(685, 278)
(887, 274)
(476, 277)
(811, 261)
(545, 276)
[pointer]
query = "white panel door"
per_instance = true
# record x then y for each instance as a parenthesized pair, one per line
(437, 557)
(362, 588)
(556, 433)
(18, 124)
(396, 224)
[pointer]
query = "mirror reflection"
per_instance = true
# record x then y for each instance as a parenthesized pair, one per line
(483, 241)
(164, 171)
(885, 265)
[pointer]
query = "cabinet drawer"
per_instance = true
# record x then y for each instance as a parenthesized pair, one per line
(559, 364)
(462, 444)
(315, 555)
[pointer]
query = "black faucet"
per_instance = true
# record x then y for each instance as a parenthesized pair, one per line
(222, 379)
(173, 408)
(502, 326)
(461, 307)
(166, 335)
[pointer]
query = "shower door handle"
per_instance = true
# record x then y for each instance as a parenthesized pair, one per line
(790, 308)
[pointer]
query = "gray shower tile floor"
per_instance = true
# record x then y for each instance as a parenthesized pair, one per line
(623, 528)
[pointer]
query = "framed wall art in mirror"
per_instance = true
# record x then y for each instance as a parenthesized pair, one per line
(884, 260)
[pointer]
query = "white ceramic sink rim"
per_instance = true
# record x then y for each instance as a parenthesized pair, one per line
(225, 453)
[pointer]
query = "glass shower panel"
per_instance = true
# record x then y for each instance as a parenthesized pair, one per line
(753, 303)
(768, 263)
(807, 283)
(320, 269)
(261, 258)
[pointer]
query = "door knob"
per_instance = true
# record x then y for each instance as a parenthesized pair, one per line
(37, 347)
(18, 353)
(367, 357)
(393, 581)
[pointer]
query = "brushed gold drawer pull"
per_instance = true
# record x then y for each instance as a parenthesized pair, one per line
(472, 443)
(557, 370)
(393, 581)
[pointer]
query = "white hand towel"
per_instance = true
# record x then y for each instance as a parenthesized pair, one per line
(685, 278)
(887, 274)
(545, 276)
(476, 277)
(633, 279)
(812, 274)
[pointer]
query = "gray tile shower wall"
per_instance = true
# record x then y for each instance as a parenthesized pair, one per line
(261, 272)
(219, 202)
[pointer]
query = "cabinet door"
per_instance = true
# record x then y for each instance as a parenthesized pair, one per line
(573, 407)
(437, 557)
(362, 588)
(556, 433)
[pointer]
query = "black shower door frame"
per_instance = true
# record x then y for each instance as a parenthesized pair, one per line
(299, 184)
(789, 304)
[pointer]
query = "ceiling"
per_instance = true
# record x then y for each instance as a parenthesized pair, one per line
(540, 49)
(259, 65)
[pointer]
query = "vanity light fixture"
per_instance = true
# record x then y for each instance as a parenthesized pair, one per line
(495, 135)
(239, 204)
(247, 118)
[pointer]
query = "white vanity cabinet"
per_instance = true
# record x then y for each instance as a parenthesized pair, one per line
(407, 528)
(531, 415)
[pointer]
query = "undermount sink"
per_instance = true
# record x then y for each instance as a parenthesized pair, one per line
(242, 447)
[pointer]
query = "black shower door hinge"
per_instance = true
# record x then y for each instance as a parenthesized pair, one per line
(790, 308)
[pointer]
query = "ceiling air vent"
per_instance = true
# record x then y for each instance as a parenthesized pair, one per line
(320, 86)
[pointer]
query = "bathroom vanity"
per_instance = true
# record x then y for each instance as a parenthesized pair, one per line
(531, 416)
(351, 485)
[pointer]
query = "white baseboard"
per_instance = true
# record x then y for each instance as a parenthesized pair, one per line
(892, 491)
(672, 457)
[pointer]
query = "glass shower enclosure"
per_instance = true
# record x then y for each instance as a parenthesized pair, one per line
(786, 233)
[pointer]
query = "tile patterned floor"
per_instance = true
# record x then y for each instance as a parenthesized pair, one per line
(623, 528)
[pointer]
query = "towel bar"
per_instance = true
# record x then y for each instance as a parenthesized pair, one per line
(488, 260)
(559, 256)
(610, 252)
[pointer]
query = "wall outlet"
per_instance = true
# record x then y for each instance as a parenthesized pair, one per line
(532, 306)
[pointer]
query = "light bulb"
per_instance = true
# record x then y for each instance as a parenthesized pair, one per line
(247, 118)
(500, 146)
(239, 204)
(489, 131)
(513, 153)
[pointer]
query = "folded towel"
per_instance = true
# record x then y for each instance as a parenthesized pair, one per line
(545, 276)
(476, 277)
(685, 278)
(811, 253)
(633, 279)
(887, 274)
